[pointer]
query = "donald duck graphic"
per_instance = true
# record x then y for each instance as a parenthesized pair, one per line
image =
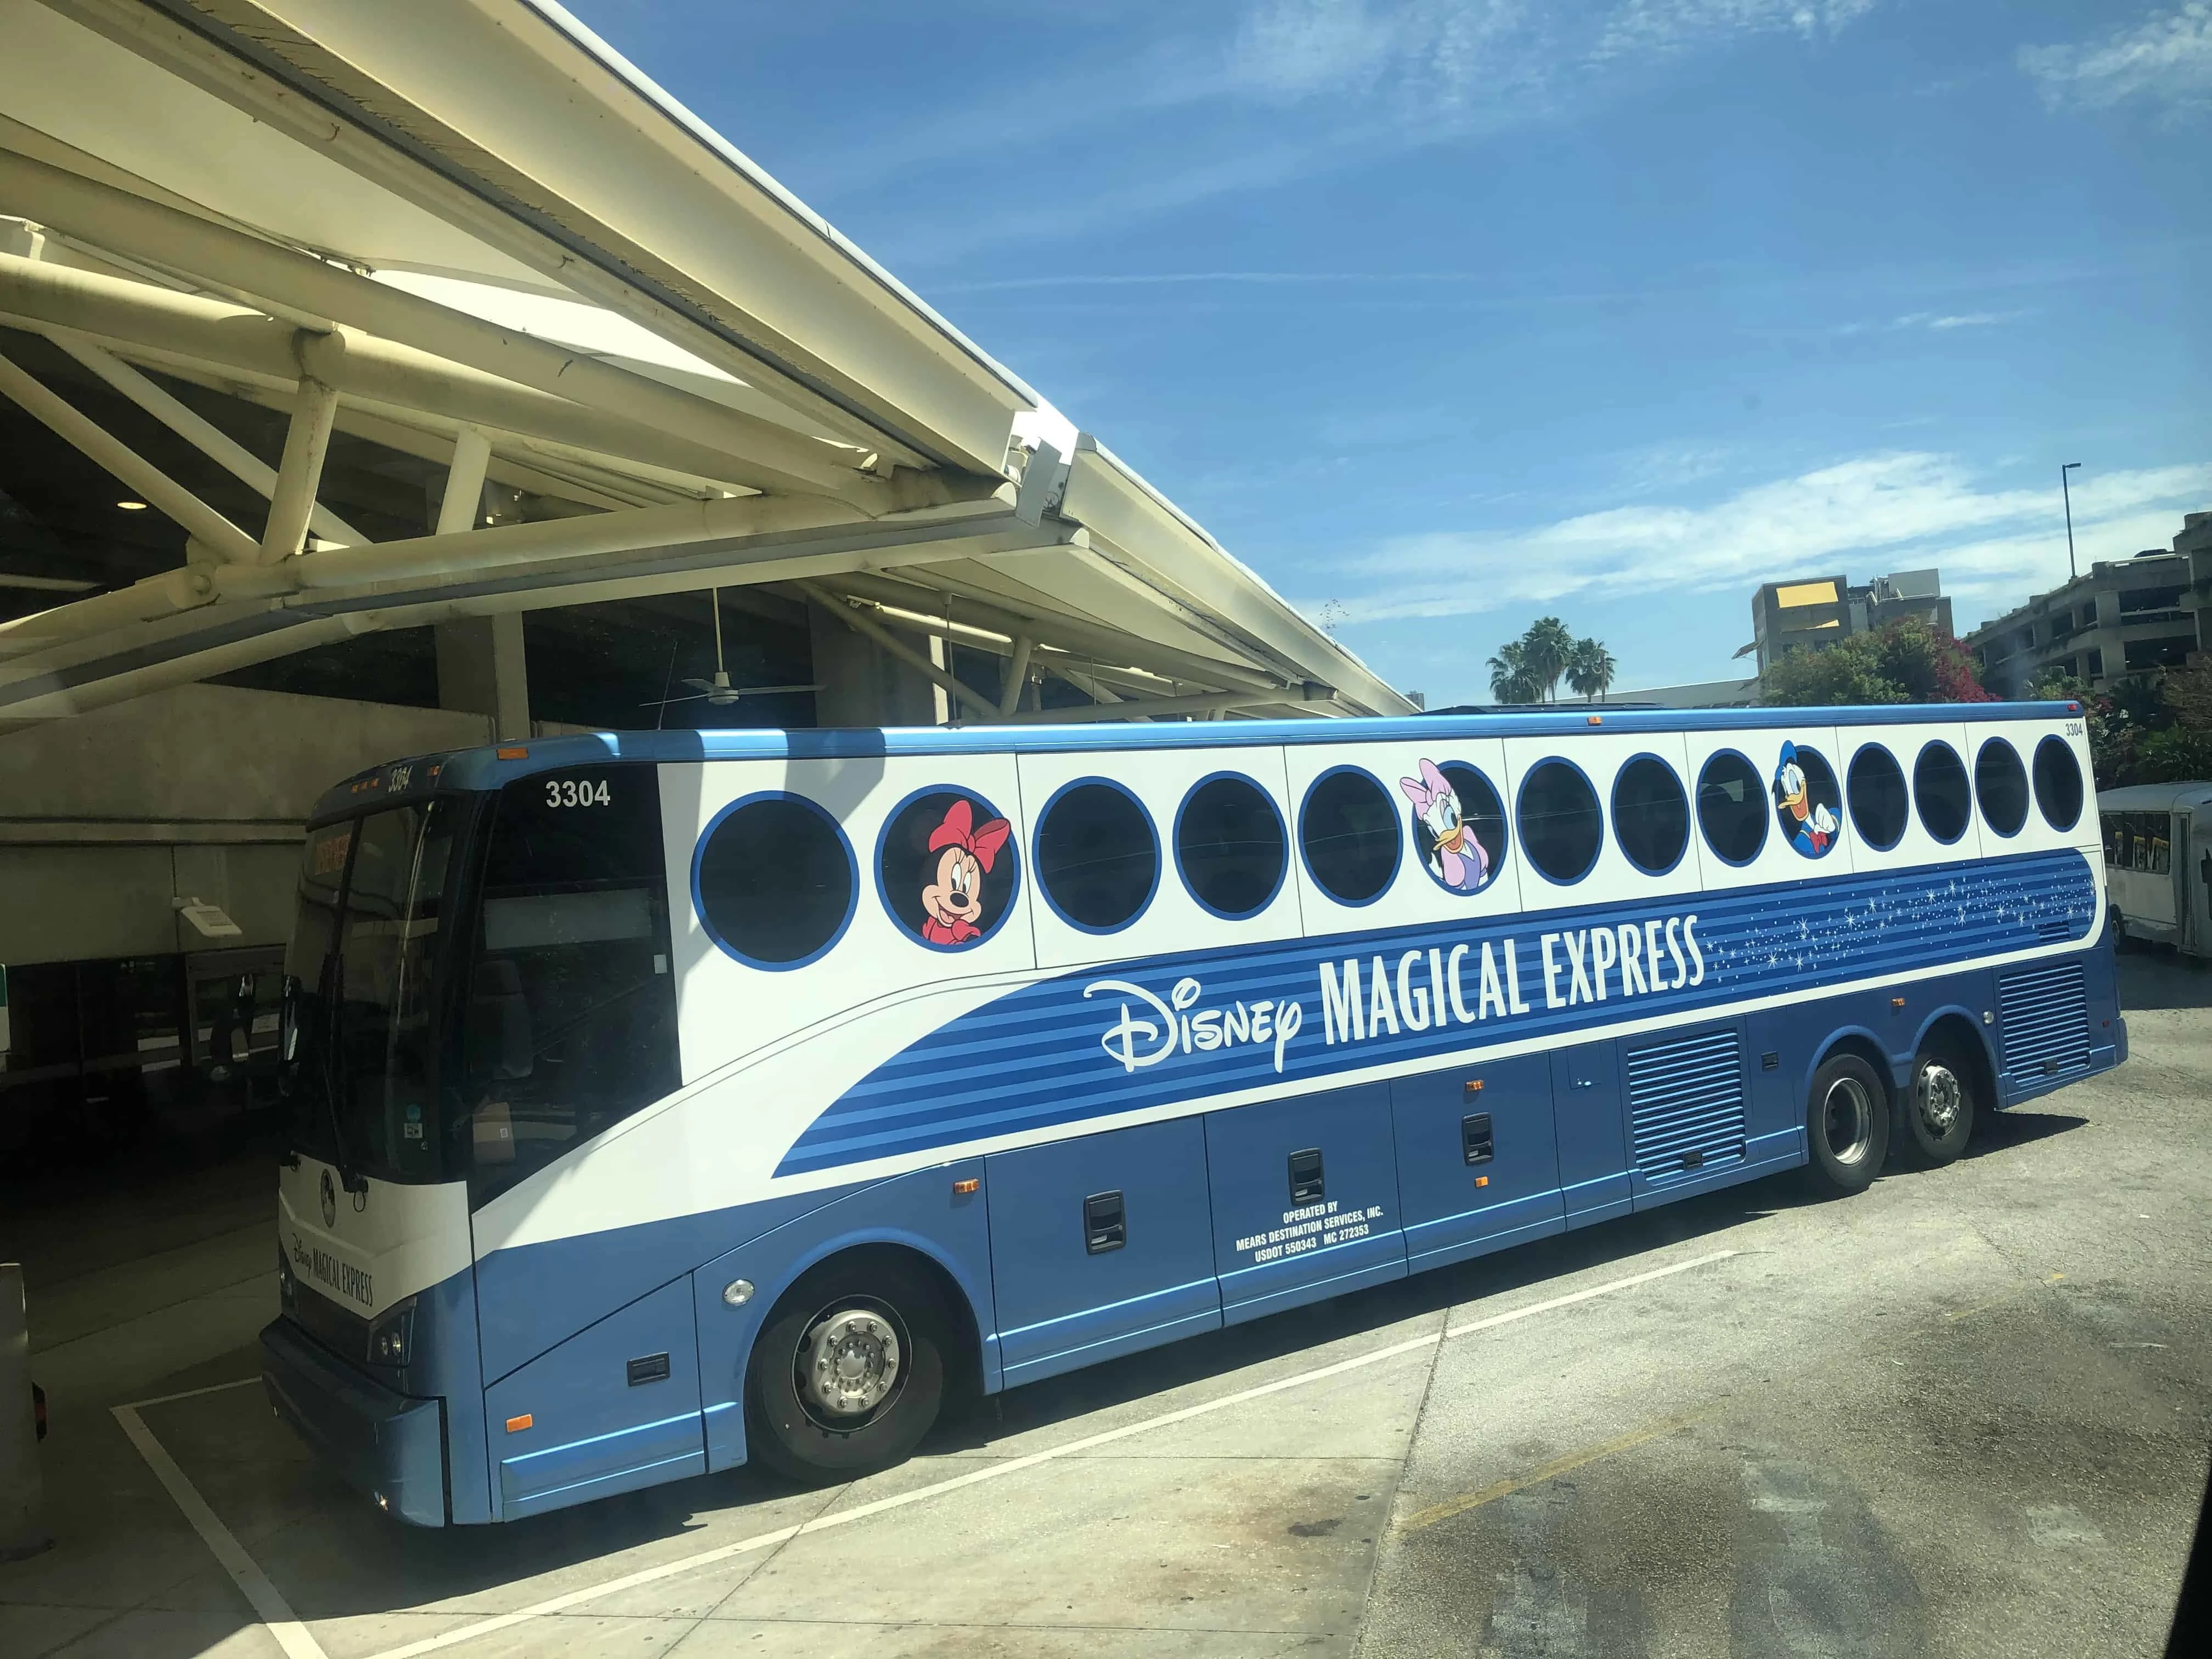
(1810, 826)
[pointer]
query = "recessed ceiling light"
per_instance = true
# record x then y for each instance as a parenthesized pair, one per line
(132, 506)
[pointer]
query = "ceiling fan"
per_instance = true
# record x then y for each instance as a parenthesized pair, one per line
(719, 693)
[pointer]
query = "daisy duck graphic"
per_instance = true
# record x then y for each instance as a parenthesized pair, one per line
(1814, 825)
(1455, 857)
(953, 895)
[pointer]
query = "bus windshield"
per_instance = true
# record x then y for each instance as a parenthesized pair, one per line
(359, 1037)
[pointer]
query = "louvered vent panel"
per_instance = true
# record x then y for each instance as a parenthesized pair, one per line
(2044, 1016)
(1685, 1104)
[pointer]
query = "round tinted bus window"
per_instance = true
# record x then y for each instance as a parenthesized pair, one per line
(1939, 790)
(774, 881)
(1560, 824)
(1806, 799)
(1348, 833)
(1732, 808)
(946, 868)
(1879, 803)
(1097, 859)
(2001, 786)
(1651, 815)
(2058, 783)
(1458, 824)
(1231, 845)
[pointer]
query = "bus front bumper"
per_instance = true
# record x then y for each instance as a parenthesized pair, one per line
(388, 1446)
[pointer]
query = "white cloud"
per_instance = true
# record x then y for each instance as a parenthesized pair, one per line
(1862, 516)
(2166, 59)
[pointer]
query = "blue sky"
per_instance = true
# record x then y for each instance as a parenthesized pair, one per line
(1445, 315)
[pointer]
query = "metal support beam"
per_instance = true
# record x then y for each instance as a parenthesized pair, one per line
(201, 522)
(110, 217)
(1018, 676)
(464, 482)
(197, 430)
(1152, 707)
(299, 474)
(986, 710)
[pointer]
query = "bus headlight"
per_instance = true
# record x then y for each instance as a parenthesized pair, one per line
(392, 1339)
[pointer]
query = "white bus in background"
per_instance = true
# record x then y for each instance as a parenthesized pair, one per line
(2158, 855)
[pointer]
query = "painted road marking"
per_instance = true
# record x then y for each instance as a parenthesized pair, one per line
(1537, 1476)
(275, 1612)
(298, 1644)
(1015, 1466)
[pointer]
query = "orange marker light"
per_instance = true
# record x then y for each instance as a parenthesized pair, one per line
(968, 1185)
(1474, 1085)
(1896, 1002)
(1597, 720)
(517, 1425)
(1482, 1180)
(512, 754)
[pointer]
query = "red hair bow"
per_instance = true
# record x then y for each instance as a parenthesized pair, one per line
(959, 830)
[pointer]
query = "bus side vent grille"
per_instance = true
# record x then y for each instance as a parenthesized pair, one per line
(2058, 930)
(1685, 1103)
(2044, 1015)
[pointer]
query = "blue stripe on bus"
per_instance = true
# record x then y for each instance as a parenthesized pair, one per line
(1047, 1055)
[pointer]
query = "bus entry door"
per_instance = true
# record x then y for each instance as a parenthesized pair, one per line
(1305, 1200)
(1478, 1164)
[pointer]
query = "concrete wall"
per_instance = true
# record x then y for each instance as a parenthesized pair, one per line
(199, 792)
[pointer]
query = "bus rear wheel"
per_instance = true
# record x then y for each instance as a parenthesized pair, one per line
(1938, 1111)
(849, 1373)
(1846, 1127)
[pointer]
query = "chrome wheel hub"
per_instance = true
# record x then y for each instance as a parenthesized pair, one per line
(849, 1363)
(1847, 1119)
(1942, 1097)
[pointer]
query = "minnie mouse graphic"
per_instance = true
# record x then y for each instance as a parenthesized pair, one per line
(954, 897)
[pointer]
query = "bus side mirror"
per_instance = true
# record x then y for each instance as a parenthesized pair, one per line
(498, 1043)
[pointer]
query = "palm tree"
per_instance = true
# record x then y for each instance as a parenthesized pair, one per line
(1510, 679)
(1590, 668)
(1544, 651)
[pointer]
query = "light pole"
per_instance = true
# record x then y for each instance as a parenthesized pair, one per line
(2068, 496)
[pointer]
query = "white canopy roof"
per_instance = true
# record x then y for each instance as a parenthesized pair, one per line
(440, 216)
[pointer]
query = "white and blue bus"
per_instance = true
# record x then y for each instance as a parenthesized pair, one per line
(663, 1102)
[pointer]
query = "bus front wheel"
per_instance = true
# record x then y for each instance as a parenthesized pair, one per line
(1846, 1127)
(849, 1373)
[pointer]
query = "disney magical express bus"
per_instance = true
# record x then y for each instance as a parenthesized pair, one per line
(665, 1101)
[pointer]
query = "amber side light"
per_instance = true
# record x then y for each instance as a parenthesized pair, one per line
(968, 1185)
(512, 754)
(517, 1425)
(1597, 720)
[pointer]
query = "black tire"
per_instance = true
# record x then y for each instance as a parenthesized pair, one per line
(1846, 1127)
(854, 1305)
(1938, 1111)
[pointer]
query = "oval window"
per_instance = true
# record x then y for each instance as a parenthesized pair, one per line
(774, 881)
(1806, 799)
(1231, 845)
(2058, 783)
(1348, 834)
(1879, 803)
(1560, 824)
(2001, 786)
(1732, 807)
(946, 868)
(1651, 815)
(1939, 790)
(1458, 824)
(1097, 859)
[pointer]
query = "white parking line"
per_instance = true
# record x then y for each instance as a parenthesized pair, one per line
(1016, 1465)
(275, 1612)
(299, 1643)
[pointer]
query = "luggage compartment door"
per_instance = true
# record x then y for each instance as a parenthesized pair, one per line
(1592, 1132)
(1305, 1200)
(1478, 1160)
(1100, 1246)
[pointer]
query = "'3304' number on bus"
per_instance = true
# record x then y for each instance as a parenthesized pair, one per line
(569, 792)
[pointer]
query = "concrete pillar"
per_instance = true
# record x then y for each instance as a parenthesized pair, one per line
(481, 671)
(22, 1490)
(862, 684)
